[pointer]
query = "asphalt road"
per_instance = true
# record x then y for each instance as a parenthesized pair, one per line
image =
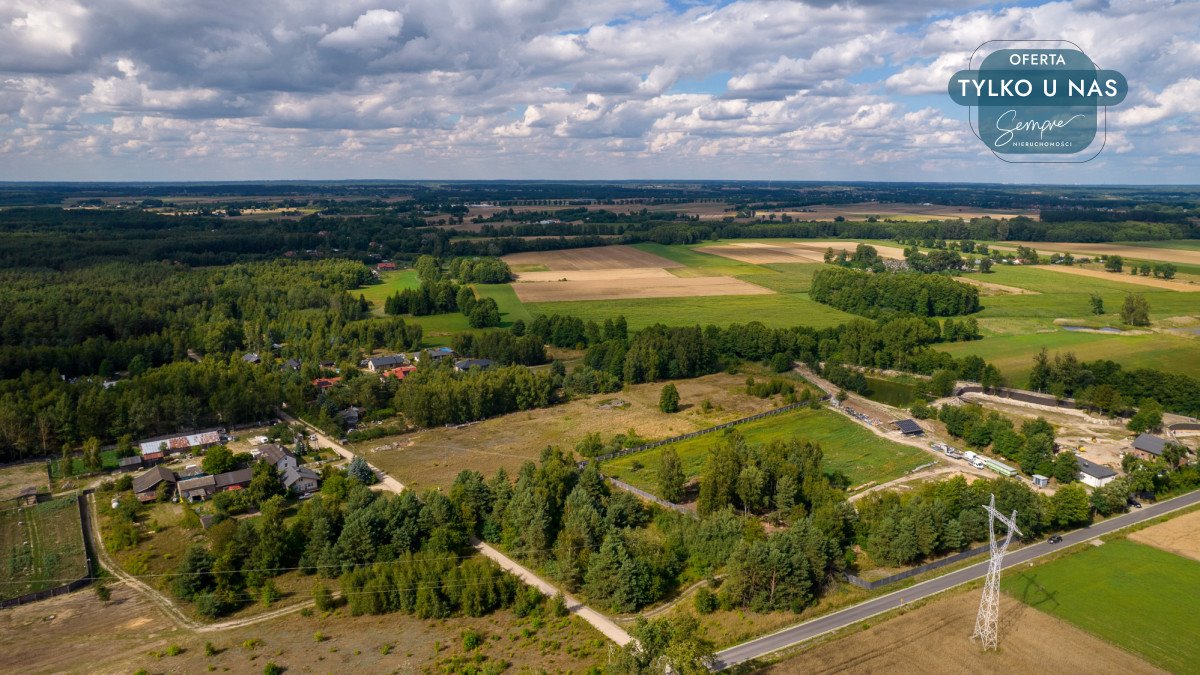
(808, 630)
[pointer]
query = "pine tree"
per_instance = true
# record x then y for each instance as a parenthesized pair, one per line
(670, 476)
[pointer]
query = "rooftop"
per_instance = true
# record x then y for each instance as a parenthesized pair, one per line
(1094, 470)
(1151, 444)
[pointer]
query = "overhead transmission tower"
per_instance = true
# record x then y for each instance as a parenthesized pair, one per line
(986, 623)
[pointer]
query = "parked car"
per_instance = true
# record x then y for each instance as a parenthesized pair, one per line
(1135, 503)
(1054, 539)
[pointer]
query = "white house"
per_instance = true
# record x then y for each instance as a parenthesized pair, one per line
(1093, 474)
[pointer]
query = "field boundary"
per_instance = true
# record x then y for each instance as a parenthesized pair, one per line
(694, 434)
(649, 497)
(71, 586)
(919, 569)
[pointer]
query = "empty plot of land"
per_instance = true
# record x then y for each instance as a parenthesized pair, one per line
(862, 211)
(1165, 284)
(619, 286)
(1148, 252)
(995, 289)
(594, 258)
(40, 547)
(848, 244)
(595, 275)
(935, 639)
(1178, 535)
(763, 254)
(433, 457)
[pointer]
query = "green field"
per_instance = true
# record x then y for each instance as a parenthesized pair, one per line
(40, 547)
(848, 448)
(391, 282)
(1135, 596)
(776, 311)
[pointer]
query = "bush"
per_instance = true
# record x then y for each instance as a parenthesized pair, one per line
(706, 601)
(471, 639)
(323, 597)
(272, 669)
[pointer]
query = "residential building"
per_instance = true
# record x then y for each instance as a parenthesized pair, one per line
(1149, 447)
(1095, 475)
(463, 365)
(378, 364)
(145, 486)
(434, 355)
(277, 455)
(251, 357)
(301, 480)
(399, 373)
(202, 487)
(323, 383)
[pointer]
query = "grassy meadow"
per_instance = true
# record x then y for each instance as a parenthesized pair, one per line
(848, 448)
(1125, 593)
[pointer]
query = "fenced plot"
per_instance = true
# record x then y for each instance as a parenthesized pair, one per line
(41, 547)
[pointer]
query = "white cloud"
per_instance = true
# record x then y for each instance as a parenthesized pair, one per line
(371, 31)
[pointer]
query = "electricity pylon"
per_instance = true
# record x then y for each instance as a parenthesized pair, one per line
(986, 623)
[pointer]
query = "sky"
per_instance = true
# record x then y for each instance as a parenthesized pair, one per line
(179, 90)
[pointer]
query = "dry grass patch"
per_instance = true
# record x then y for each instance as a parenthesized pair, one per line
(433, 457)
(15, 478)
(934, 638)
(619, 286)
(1140, 252)
(995, 289)
(1164, 284)
(1180, 535)
(762, 254)
(594, 258)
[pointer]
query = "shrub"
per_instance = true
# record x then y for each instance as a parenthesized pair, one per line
(706, 601)
(323, 597)
(471, 639)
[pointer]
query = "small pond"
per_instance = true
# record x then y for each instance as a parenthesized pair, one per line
(898, 394)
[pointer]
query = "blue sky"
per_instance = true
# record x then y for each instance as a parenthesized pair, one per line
(768, 89)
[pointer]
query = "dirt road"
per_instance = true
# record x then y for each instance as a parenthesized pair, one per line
(598, 621)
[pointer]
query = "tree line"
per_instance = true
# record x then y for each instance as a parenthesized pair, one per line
(873, 294)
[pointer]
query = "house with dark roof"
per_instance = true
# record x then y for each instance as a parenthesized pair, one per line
(463, 365)
(323, 383)
(1095, 475)
(1149, 447)
(378, 364)
(145, 486)
(301, 480)
(434, 355)
(202, 487)
(276, 455)
(251, 357)
(291, 364)
(125, 464)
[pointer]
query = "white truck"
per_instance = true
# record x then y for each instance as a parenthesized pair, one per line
(973, 459)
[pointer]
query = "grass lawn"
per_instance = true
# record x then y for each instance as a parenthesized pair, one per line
(1013, 354)
(390, 283)
(776, 311)
(40, 547)
(849, 448)
(1129, 594)
(506, 298)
